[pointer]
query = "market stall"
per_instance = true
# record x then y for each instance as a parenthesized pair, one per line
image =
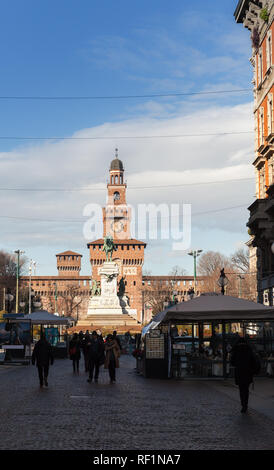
(199, 335)
(49, 323)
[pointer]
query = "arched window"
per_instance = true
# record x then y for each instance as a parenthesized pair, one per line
(116, 179)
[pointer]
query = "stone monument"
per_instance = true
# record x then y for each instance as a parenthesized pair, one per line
(106, 300)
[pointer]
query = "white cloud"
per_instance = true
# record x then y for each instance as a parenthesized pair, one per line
(148, 162)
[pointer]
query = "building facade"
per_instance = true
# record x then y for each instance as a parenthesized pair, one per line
(257, 16)
(67, 293)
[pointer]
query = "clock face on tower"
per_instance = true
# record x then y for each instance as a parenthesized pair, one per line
(117, 226)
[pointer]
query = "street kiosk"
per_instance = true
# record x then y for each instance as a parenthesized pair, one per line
(22, 349)
(200, 334)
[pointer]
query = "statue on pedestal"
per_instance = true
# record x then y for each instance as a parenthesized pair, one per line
(95, 290)
(109, 247)
(122, 287)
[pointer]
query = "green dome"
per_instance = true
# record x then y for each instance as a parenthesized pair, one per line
(116, 164)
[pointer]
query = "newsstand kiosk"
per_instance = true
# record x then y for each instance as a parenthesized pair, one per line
(155, 359)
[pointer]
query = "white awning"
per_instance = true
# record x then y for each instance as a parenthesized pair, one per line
(43, 317)
(211, 306)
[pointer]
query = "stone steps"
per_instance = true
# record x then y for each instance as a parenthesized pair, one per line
(113, 319)
(109, 323)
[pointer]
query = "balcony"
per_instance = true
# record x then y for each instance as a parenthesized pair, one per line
(269, 206)
(261, 220)
(268, 149)
(258, 217)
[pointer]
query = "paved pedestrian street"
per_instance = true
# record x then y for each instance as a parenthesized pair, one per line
(135, 413)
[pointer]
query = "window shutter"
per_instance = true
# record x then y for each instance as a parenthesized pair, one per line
(261, 126)
(269, 49)
(267, 53)
(270, 113)
(260, 71)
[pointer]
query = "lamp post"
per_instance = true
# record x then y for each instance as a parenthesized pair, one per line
(32, 264)
(18, 252)
(195, 254)
(240, 277)
(222, 281)
(174, 292)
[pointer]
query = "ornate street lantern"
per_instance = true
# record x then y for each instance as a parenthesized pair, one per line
(222, 281)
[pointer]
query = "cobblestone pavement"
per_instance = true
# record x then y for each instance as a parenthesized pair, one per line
(135, 413)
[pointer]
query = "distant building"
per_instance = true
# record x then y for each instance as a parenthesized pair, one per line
(68, 292)
(258, 17)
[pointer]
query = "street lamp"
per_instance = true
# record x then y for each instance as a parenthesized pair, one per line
(240, 277)
(18, 252)
(222, 281)
(9, 297)
(195, 254)
(31, 293)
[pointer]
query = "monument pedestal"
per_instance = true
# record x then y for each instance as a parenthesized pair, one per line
(109, 309)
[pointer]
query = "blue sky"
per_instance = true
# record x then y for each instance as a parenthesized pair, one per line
(92, 48)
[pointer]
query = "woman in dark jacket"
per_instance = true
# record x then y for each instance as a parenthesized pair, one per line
(75, 352)
(42, 355)
(244, 361)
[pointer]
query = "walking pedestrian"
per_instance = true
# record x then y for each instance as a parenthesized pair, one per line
(81, 338)
(100, 336)
(86, 341)
(112, 357)
(95, 354)
(114, 334)
(75, 352)
(43, 356)
(245, 363)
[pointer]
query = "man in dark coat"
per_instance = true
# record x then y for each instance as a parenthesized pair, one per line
(85, 342)
(244, 361)
(43, 356)
(95, 353)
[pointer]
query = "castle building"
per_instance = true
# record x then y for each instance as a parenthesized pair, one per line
(257, 16)
(129, 253)
(69, 292)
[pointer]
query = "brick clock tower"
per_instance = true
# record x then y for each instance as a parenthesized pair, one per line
(129, 254)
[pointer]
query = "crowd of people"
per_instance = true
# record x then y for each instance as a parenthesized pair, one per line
(96, 351)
